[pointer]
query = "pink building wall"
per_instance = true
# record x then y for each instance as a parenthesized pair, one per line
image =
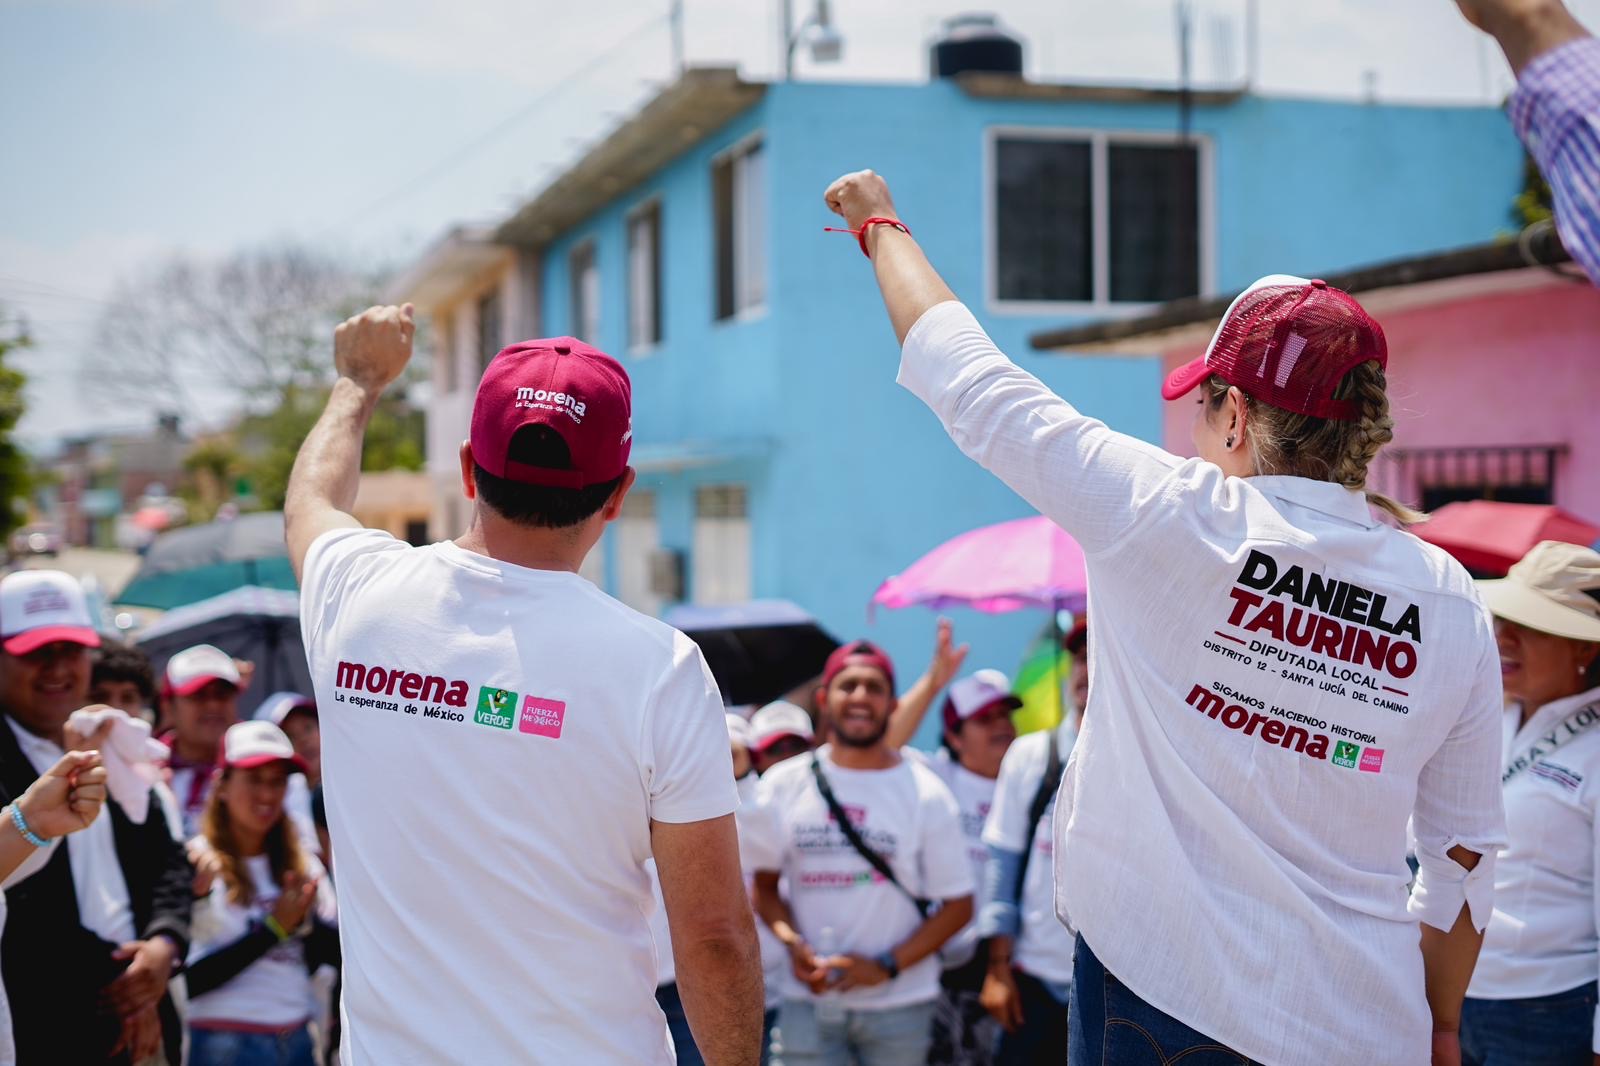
(1519, 366)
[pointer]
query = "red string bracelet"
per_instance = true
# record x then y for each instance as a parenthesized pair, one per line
(861, 234)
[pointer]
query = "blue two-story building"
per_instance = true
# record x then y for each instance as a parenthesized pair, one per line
(776, 455)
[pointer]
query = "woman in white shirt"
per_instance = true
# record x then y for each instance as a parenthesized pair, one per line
(1283, 678)
(266, 923)
(1532, 997)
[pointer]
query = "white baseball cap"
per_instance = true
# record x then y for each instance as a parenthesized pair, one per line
(739, 730)
(192, 669)
(777, 720)
(978, 692)
(257, 743)
(280, 705)
(39, 607)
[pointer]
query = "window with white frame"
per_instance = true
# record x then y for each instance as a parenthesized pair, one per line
(644, 276)
(489, 327)
(721, 563)
(584, 281)
(739, 209)
(1095, 218)
(635, 538)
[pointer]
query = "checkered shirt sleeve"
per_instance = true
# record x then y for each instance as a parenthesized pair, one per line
(1556, 111)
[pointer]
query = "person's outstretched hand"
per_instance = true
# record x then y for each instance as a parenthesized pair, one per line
(373, 348)
(860, 196)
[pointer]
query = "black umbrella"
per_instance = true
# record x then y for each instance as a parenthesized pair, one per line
(759, 650)
(261, 625)
(197, 562)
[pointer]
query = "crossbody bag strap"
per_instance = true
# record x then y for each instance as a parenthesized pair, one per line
(878, 862)
(1589, 714)
(1041, 802)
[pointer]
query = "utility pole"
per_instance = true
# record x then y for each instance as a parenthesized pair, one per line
(675, 24)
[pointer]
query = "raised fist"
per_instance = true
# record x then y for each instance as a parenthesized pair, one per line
(372, 348)
(859, 196)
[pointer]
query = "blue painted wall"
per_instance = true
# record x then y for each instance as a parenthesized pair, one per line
(850, 477)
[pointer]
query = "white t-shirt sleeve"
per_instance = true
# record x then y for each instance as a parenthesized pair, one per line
(1460, 801)
(761, 845)
(686, 755)
(328, 573)
(1007, 824)
(946, 869)
(1090, 480)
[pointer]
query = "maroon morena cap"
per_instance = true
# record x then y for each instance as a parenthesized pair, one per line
(1288, 342)
(857, 653)
(580, 392)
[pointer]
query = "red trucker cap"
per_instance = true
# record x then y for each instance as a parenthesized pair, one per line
(1288, 342)
(579, 392)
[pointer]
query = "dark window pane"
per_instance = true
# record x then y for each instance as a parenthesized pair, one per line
(722, 224)
(1044, 245)
(1155, 222)
(489, 327)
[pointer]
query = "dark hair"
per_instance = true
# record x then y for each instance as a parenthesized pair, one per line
(116, 661)
(540, 506)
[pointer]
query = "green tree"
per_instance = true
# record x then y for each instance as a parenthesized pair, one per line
(15, 469)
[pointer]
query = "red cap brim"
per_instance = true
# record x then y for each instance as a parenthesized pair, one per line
(34, 639)
(1185, 378)
(766, 742)
(250, 762)
(195, 684)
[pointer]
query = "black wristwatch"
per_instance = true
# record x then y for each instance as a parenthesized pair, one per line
(886, 960)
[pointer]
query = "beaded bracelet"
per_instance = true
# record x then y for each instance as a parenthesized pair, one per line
(22, 827)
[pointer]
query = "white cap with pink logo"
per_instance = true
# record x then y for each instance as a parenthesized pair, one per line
(39, 607)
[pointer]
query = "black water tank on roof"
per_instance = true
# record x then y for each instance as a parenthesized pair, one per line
(975, 43)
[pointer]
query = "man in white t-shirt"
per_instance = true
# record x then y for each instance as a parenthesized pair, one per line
(977, 732)
(1030, 950)
(865, 918)
(505, 746)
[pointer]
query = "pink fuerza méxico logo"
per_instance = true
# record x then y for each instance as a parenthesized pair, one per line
(1372, 760)
(542, 718)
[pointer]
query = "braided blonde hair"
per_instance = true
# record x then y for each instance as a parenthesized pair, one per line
(1325, 449)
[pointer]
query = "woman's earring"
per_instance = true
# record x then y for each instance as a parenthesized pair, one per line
(1230, 442)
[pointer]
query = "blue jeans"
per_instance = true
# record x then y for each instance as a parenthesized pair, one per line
(898, 1036)
(678, 1025)
(1543, 1031)
(224, 1047)
(1111, 1026)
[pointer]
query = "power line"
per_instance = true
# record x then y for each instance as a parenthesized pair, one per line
(459, 155)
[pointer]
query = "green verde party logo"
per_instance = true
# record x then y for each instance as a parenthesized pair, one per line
(496, 707)
(1346, 754)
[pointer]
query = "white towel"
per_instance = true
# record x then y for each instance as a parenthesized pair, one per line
(132, 757)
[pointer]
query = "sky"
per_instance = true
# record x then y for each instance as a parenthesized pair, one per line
(135, 130)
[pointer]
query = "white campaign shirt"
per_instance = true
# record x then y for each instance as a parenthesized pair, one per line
(774, 956)
(274, 990)
(1278, 681)
(103, 905)
(497, 741)
(1542, 938)
(1044, 947)
(905, 814)
(974, 795)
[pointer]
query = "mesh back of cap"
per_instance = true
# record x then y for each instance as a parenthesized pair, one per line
(1290, 345)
